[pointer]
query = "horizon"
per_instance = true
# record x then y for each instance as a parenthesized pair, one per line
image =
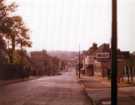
(76, 51)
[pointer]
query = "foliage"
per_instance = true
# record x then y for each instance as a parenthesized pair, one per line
(12, 28)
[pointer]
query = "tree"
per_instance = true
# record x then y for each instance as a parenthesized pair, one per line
(24, 40)
(5, 13)
(3, 53)
(2, 43)
(5, 10)
(6, 21)
(16, 34)
(13, 29)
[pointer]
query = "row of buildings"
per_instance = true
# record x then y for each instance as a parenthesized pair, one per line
(97, 60)
(44, 64)
(37, 63)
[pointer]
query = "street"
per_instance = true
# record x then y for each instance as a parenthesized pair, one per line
(56, 90)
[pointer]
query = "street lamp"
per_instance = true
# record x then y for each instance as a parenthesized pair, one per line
(114, 86)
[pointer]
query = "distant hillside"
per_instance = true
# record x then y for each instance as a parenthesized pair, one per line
(64, 55)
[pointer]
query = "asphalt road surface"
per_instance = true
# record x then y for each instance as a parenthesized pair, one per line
(57, 90)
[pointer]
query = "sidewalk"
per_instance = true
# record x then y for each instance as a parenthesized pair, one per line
(6, 82)
(121, 84)
(99, 91)
(107, 83)
(96, 90)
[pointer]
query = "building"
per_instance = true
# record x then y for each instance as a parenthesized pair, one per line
(47, 65)
(40, 59)
(98, 59)
(89, 60)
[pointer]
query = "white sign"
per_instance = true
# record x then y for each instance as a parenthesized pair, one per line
(103, 55)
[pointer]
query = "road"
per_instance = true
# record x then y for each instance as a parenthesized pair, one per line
(56, 90)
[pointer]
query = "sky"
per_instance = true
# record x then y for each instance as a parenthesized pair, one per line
(64, 24)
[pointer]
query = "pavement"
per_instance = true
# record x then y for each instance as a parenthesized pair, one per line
(96, 90)
(99, 91)
(55, 90)
(7, 82)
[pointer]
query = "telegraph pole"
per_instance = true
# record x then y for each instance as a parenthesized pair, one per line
(79, 63)
(114, 87)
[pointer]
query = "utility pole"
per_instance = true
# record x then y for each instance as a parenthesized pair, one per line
(79, 75)
(114, 87)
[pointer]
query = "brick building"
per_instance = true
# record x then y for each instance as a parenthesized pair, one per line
(99, 58)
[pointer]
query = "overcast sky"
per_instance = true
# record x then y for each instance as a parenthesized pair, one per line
(63, 24)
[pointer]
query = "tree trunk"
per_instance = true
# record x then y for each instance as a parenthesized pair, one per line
(12, 50)
(21, 48)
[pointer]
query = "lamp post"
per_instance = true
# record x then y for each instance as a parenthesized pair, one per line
(114, 86)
